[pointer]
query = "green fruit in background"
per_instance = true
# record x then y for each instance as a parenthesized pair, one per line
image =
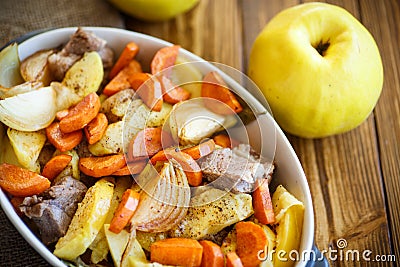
(154, 10)
(319, 68)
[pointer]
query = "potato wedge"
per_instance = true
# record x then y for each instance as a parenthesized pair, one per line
(289, 220)
(35, 67)
(111, 142)
(27, 147)
(157, 118)
(116, 105)
(86, 75)
(100, 246)
(117, 244)
(87, 221)
(208, 219)
(267, 259)
(7, 154)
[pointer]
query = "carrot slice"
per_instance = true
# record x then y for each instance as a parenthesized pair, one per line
(148, 142)
(55, 166)
(164, 58)
(81, 114)
(189, 165)
(212, 254)
(62, 141)
(20, 182)
(148, 89)
(62, 114)
(96, 128)
(196, 152)
(214, 87)
(177, 252)
(125, 210)
(262, 203)
(225, 141)
(159, 156)
(101, 166)
(251, 239)
(129, 52)
(233, 260)
(134, 167)
(201, 150)
(121, 80)
(173, 94)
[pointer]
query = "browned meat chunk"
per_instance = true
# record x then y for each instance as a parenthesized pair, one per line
(235, 170)
(52, 211)
(80, 42)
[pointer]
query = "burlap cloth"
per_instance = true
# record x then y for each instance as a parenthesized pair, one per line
(18, 17)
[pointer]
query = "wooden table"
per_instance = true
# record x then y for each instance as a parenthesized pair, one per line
(353, 177)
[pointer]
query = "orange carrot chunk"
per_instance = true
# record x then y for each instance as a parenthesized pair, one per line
(225, 141)
(96, 128)
(133, 167)
(262, 203)
(189, 165)
(63, 141)
(61, 114)
(124, 211)
(173, 94)
(251, 239)
(121, 80)
(212, 254)
(81, 114)
(148, 89)
(164, 58)
(233, 260)
(129, 52)
(214, 87)
(159, 156)
(177, 251)
(55, 166)
(148, 142)
(201, 150)
(20, 182)
(101, 166)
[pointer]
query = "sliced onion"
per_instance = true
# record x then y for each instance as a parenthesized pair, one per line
(164, 200)
(9, 66)
(29, 111)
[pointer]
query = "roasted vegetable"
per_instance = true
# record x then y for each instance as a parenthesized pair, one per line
(110, 142)
(27, 147)
(9, 66)
(164, 199)
(177, 251)
(20, 182)
(35, 67)
(41, 112)
(100, 246)
(86, 75)
(289, 219)
(207, 218)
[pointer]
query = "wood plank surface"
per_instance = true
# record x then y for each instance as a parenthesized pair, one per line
(353, 177)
